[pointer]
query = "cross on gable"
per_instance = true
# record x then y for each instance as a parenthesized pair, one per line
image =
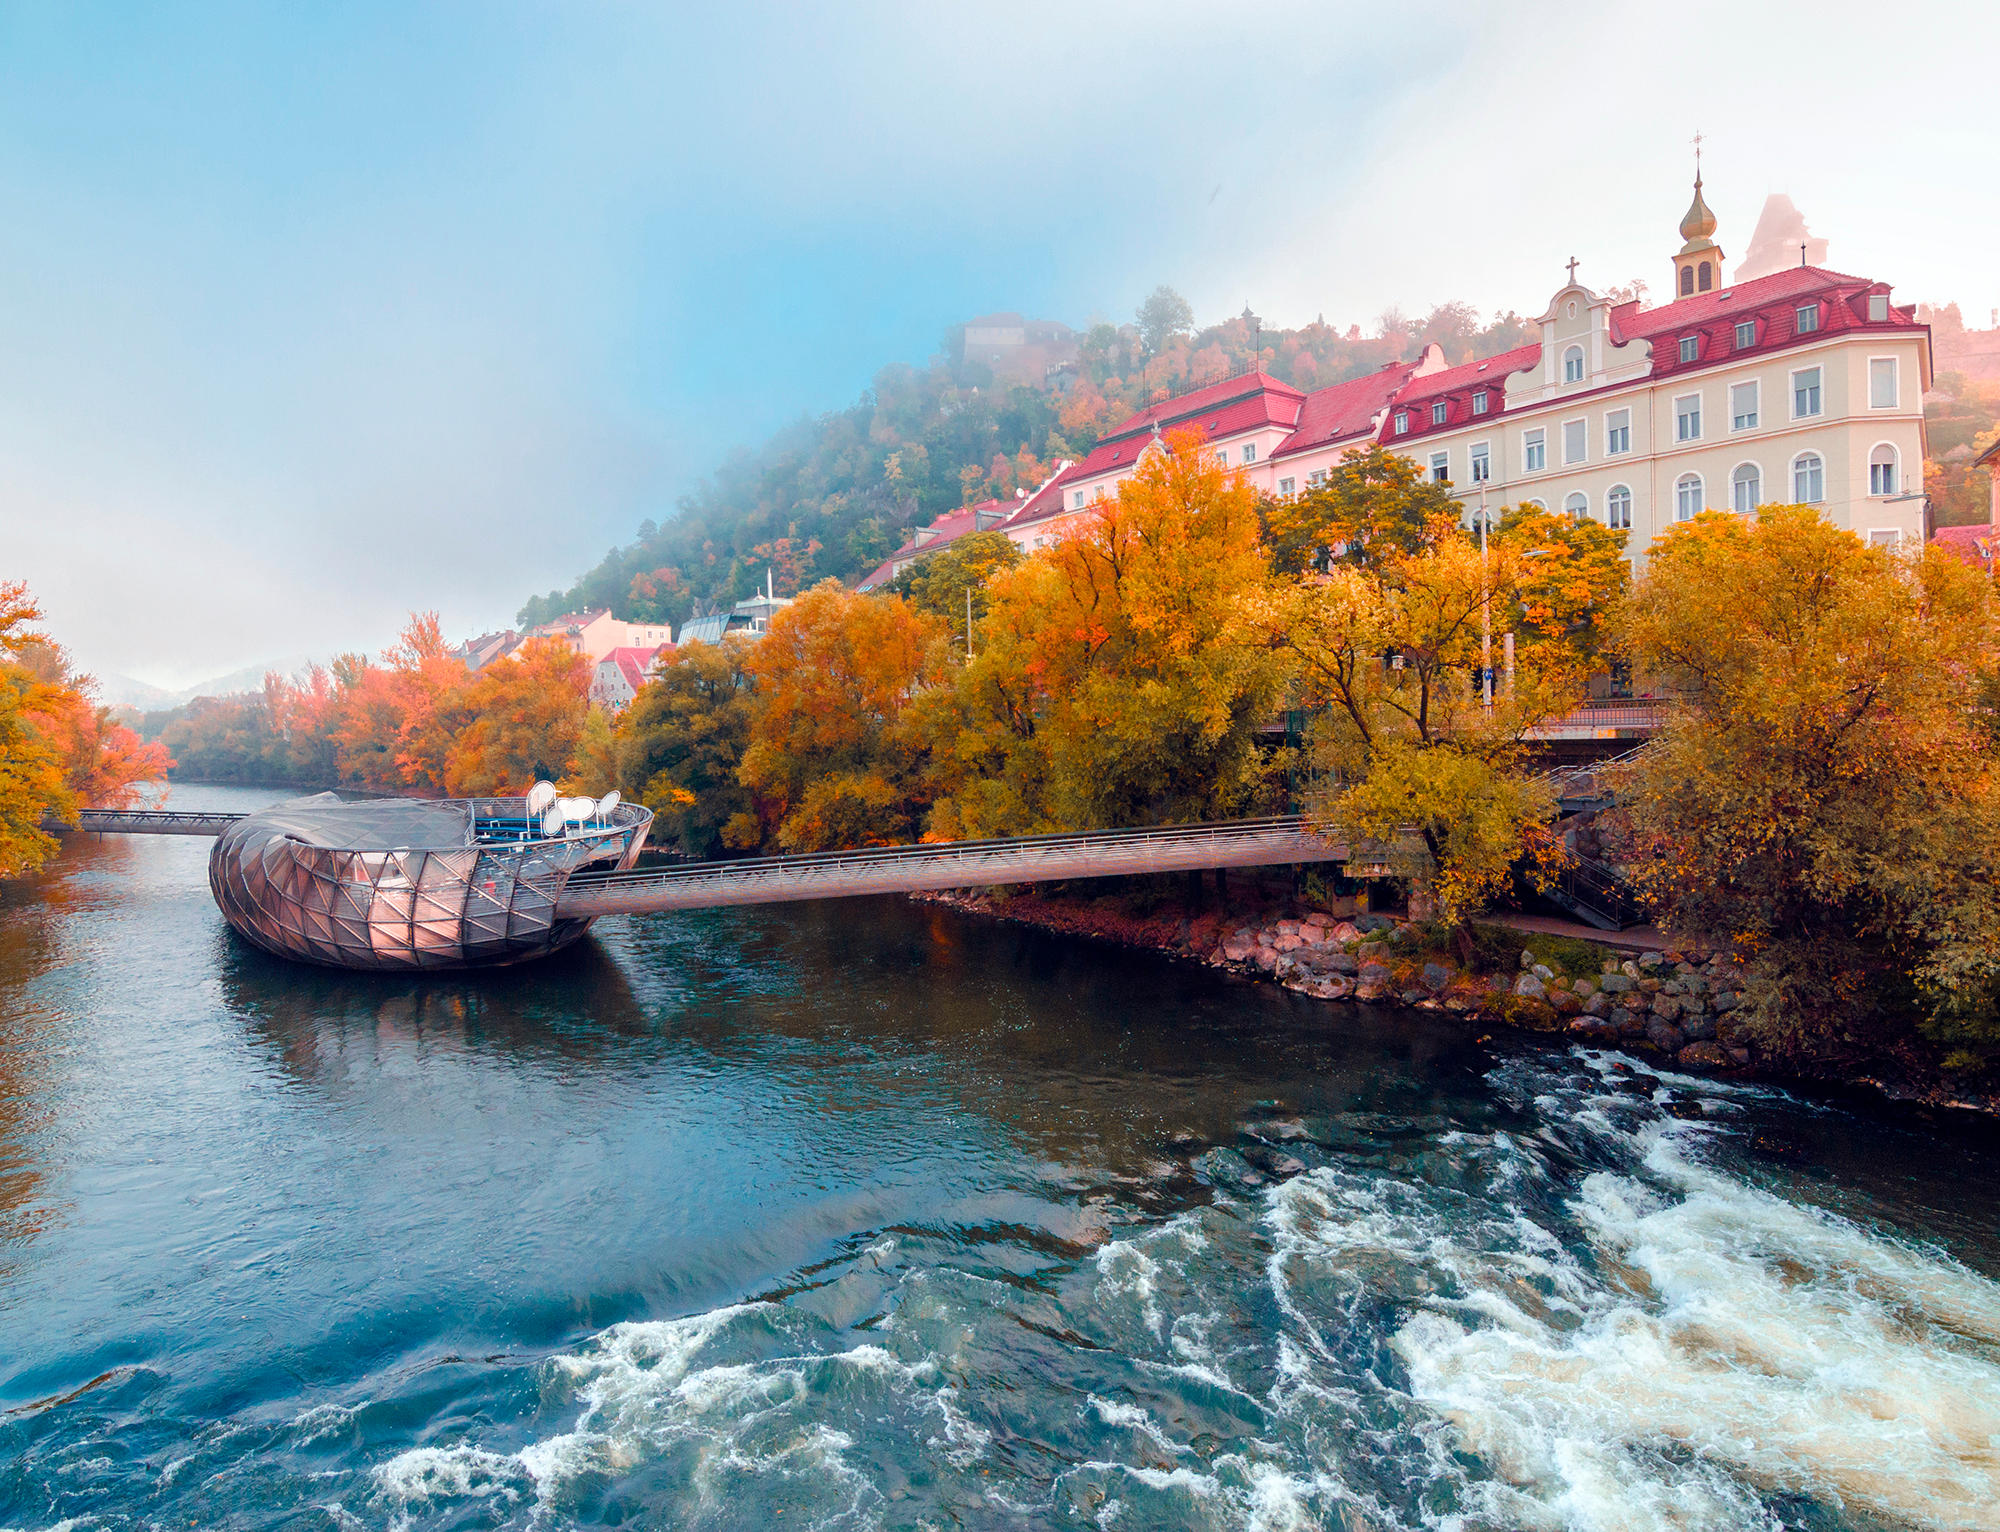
(1572, 270)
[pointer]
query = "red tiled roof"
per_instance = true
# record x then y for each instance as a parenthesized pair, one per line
(1221, 409)
(1344, 410)
(634, 661)
(1772, 304)
(1978, 545)
(1490, 370)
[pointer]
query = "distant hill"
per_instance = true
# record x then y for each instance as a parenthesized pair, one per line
(128, 691)
(833, 494)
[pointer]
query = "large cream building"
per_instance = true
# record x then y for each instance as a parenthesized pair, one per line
(1803, 385)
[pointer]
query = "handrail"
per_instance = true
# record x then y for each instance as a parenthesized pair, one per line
(151, 822)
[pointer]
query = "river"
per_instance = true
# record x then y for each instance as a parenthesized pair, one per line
(868, 1214)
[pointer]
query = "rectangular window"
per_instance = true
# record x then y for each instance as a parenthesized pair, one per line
(1805, 393)
(1076, 500)
(1438, 413)
(1617, 432)
(1287, 486)
(1884, 537)
(1882, 382)
(1316, 478)
(1878, 308)
(1574, 432)
(1222, 456)
(1746, 335)
(1479, 402)
(1687, 418)
(1440, 467)
(1743, 406)
(1482, 465)
(1249, 452)
(1534, 452)
(1690, 348)
(1402, 421)
(1808, 318)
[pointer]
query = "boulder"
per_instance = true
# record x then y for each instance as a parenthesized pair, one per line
(1543, 972)
(1370, 990)
(1436, 977)
(1666, 1007)
(1700, 1029)
(1238, 946)
(1725, 1001)
(1703, 1056)
(1265, 958)
(1287, 928)
(1527, 959)
(1341, 962)
(1583, 988)
(1665, 1036)
(1377, 974)
(1530, 987)
(1372, 951)
(1652, 986)
(1629, 1023)
(1651, 960)
(1344, 933)
(1288, 941)
(1594, 1028)
(1629, 968)
(1738, 1055)
(1563, 1003)
(1598, 1005)
(1618, 984)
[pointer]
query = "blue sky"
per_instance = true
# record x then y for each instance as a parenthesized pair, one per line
(310, 316)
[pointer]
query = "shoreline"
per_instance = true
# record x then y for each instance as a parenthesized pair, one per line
(1673, 1007)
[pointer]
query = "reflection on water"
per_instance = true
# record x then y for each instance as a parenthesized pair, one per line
(866, 1215)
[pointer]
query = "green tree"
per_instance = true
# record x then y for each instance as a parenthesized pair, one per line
(1824, 797)
(1372, 504)
(937, 584)
(1164, 316)
(681, 743)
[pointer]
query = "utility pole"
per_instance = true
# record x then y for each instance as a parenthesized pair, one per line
(968, 624)
(1485, 609)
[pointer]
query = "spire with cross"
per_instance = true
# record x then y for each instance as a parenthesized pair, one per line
(1572, 271)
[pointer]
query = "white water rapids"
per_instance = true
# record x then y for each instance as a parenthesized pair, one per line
(1583, 1327)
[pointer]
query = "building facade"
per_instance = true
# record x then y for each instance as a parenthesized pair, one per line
(1802, 385)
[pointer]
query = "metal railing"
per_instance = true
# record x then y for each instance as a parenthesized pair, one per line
(951, 864)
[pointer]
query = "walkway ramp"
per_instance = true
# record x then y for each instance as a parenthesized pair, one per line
(953, 864)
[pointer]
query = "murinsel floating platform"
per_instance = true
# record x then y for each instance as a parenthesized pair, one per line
(405, 883)
(401, 884)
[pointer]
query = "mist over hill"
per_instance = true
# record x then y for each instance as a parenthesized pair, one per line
(834, 494)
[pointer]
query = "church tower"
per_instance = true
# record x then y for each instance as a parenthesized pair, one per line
(1698, 266)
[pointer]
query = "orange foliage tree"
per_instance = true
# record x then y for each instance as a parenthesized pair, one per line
(831, 758)
(526, 717)
(59, 750)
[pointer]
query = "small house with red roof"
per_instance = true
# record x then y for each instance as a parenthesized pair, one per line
(617, 678)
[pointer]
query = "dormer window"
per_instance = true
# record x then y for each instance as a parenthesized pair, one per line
(1479, 402)
(1746, 334)
(1690, 348)
(1402, 421)
(1438, 413)
(1878, 308)
(1573, 365)
(1808, 318)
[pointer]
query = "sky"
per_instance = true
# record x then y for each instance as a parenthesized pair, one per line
(311, 317)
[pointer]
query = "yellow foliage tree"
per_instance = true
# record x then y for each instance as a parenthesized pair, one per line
(830, 758)
(1826, 793)
(527, 713)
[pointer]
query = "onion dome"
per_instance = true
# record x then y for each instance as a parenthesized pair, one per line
(1698, 225)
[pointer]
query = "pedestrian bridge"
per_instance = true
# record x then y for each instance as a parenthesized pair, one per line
(1270, 842)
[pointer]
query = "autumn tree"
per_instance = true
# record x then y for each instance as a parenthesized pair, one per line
(60, 751)
(526, 715)
(938, 583)
(830, 759)
(1119, 678)
(1388, 656)
(1569, 575)
(1824, 796)
(681, 744)
(1370, 505)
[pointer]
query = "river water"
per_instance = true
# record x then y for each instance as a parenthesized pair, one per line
(867, 1214)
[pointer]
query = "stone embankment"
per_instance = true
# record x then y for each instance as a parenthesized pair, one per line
(1674, 1003)
(1678, 1004)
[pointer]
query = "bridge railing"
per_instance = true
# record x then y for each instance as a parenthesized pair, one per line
(151, 822)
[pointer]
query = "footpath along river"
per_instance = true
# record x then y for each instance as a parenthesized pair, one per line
(872, 1215)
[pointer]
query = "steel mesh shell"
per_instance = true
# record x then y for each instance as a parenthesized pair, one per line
(403, 884)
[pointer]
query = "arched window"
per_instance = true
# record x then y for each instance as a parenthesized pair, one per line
(1577, 507)
(1533, 505)
(1687, 497)
(1808, 478)
(1618, 508)
(1707, 277)
(1746, 489)
(1573, 365)
(1687, 281)
(1882, 470)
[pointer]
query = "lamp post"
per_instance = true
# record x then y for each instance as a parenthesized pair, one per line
(1485, 609)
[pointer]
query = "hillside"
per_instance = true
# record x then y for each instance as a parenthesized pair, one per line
(833, 495)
